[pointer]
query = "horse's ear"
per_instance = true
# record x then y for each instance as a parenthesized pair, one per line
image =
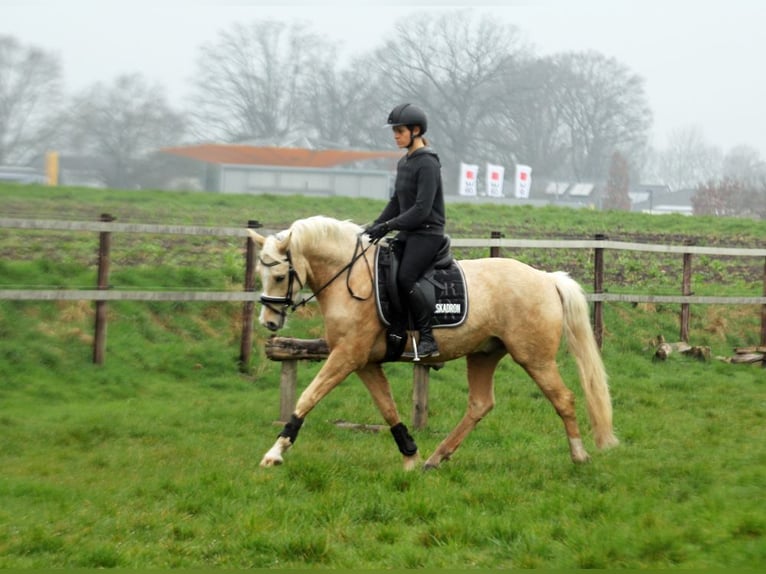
(284, 242)
(257, 237)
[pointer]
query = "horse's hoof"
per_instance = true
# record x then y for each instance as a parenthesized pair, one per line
(430, 466)
(577, 451)
(608, 442)
(269, 461)
(410, 462)
(581, 459)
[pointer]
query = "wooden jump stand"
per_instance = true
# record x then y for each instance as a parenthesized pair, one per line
(289, 351)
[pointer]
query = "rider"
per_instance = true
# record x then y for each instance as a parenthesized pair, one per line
(416, 210)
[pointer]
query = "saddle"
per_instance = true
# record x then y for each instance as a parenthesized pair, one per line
(449, 293)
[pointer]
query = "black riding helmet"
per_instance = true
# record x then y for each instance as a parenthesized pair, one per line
(408, 115)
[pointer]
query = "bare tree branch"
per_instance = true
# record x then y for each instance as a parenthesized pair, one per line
(121, 125)
(249, 83)
(30, 93)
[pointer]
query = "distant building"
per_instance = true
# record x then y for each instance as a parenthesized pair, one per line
(572, 193)
(659, 198)
(256, 169)
(21, 174)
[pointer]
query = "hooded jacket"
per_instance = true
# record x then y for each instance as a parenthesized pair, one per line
(417, 204)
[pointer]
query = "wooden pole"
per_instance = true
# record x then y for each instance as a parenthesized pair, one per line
(287, 349)
(420, 396)
(686, 289)
(598, 287)
(248, 308)
(288, 382)
(99, 340)
(763, 312)
(494, 251)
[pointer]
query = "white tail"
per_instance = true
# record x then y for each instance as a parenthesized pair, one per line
(582, 344)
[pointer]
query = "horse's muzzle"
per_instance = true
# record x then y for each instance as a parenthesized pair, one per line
(278, 306)
(273, 325)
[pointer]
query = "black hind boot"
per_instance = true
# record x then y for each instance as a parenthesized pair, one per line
(422, 309)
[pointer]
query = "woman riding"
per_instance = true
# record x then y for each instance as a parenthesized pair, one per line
(416, 211)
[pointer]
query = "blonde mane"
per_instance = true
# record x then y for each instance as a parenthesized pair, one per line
(320, 231)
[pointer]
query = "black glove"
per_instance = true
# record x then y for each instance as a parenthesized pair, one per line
(377, 231)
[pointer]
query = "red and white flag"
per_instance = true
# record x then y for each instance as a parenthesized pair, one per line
(468, 176)
(523, 181)
(495, 179)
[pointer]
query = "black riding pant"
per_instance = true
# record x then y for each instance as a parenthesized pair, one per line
(419, 252)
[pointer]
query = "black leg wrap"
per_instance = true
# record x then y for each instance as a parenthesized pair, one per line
(403, 440)
(291, 428)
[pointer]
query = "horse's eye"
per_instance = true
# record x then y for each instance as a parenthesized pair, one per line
(279, 278)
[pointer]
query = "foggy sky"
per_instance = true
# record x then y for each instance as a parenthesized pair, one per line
(702, 60)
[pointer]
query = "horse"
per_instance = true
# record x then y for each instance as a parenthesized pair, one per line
(514, 309)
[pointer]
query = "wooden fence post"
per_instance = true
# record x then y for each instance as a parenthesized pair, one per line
(494, 251)
(763, 312)
(246, 342)
(289, 352)
(99, 340)
(686, 289)
(598, 287)
(420, 376)
(288, 382)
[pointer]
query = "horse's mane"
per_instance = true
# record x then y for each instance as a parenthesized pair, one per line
(319, 230)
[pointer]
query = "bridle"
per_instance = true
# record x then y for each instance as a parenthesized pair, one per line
(280, 305)
(270, 301)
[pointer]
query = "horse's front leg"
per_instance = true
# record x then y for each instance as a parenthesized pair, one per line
(376, 382)
(336, 368)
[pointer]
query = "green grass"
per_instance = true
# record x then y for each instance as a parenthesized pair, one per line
(151, 461)
(147, 465)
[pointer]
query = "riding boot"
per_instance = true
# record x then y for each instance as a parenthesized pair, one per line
(422, 309)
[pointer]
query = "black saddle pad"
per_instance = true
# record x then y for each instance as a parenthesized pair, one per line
(449, 283)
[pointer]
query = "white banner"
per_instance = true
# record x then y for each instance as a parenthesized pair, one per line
(467, 182)
(523, 181)
(495, 179)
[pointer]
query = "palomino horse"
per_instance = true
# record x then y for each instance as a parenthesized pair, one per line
(513, 309)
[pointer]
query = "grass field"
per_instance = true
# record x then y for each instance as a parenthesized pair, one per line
(151, 461)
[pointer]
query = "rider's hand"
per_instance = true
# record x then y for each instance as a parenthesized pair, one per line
(378, 231)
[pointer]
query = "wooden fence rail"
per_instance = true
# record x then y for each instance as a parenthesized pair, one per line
(290, 351)
(107, 226)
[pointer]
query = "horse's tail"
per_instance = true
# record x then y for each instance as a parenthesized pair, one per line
(582, 344)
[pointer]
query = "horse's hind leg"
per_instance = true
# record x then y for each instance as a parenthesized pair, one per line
(481, 399)
(548, 378)
(376, 382)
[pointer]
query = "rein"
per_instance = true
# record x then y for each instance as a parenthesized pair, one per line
(287, 300)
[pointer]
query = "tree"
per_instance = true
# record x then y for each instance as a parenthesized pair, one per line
(249, 84)
(121, 125)
(347, 105)
(529, 127)
(618, 184)
(688, 160)
(452, 65)
(723, 197)
(743, 163)
(604, 109)
(30, 92)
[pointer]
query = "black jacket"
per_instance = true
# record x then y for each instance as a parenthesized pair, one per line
(418, 201)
